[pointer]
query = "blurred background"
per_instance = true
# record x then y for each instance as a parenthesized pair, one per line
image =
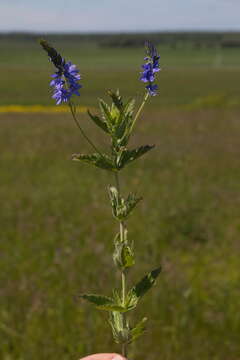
(56, 225)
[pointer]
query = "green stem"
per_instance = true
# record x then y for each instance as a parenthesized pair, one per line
(71, 106)
(123, 275)
(139, 110)
(123, 287)
(124, 350)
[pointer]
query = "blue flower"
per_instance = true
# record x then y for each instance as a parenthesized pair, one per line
(147, 74)
(65, 82)
(152, 89)
(71, 72)
(60, 94)
(150, 68)
(65, 79)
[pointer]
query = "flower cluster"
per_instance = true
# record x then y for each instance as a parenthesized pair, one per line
(65, 79)
(150, 68)
(65, 82)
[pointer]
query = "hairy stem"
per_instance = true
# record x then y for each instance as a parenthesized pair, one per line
(123, 274)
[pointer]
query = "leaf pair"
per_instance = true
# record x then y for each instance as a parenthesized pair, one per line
(102, 302)
(121, 207)
(114, 163)
(140, 289)
(122, 332)
(101, 161)
(126, 156)
(123, 255)
(99, 122)
(116, 120)
(134, 295)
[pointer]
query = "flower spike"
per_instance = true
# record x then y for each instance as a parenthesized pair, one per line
(65, 79)
(150, 68)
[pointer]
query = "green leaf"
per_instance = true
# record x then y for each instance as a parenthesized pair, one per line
(127, 257)
(138, 330)
(121, 132)
(116, 119)
(131, 202)
(127, 156)
(99, 122)
(101, 161)
(98, 300)
(123, 255)
(114, 323)
(129, 107)
(116, 98)
(145, 284)
(102, 302)
(122, 207)
(117, 297)
(120, 327)
(114, 199)
(117, 253)
(106, 112)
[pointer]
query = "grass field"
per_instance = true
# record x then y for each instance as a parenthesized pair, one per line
(56, 223)
(189, 76)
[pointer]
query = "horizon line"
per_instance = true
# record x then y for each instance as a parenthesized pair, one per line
(118, 32)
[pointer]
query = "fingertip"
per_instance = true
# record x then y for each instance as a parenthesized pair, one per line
(118, 357)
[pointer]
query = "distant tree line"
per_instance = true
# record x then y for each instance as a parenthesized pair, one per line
(171, 39)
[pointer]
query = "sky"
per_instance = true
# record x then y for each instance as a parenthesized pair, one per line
(118, 15)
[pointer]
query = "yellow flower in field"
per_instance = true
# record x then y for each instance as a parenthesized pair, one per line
(37, 109)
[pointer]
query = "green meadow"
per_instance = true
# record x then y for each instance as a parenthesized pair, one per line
(56, 226)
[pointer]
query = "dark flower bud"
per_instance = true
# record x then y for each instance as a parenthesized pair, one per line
(55, 57)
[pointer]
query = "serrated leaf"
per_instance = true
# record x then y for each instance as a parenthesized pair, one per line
(138, 330)
(113, 308)
(120, 327)
(114, 199)
(131, 202)
(101, 161)
(116, 119)
(129, 106)
(122, 207)
(122, 129)
(114, 327)
(127, 257)
(117, 254)
(126, 118)
(145, 284)
(102, 302)
(99, 122)
(115, 114)
(123, 255)
(116, 98)
(98, 300)
(127, 156)
(117, 298)
(106, 112)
